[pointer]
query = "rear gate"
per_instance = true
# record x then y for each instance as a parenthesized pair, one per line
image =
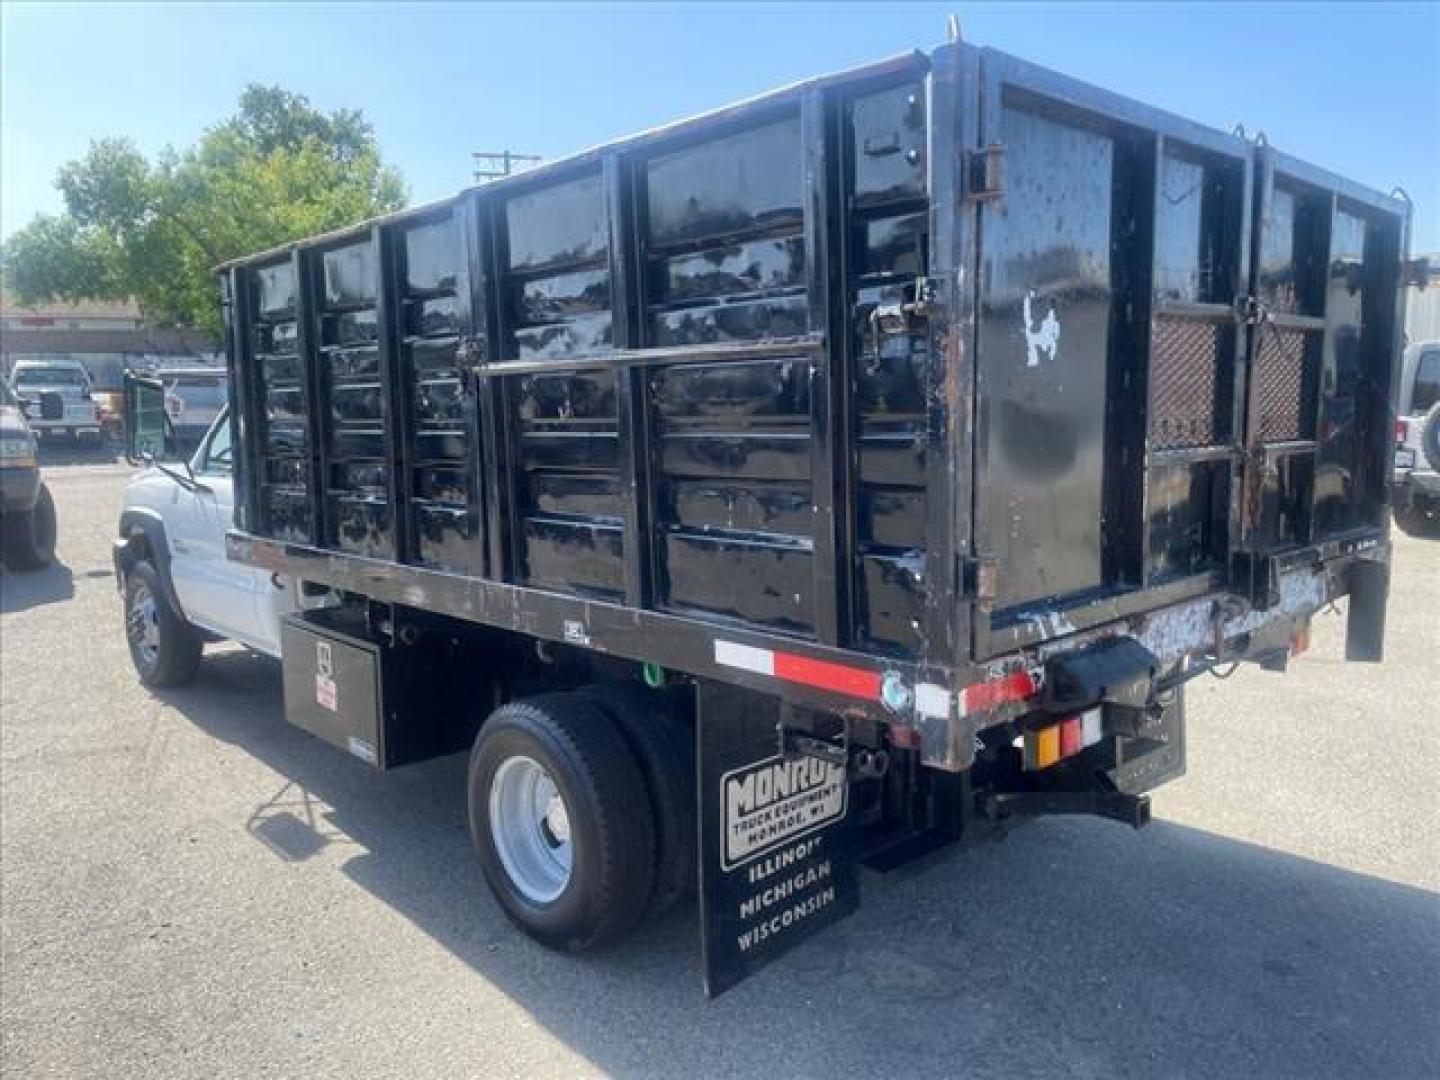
(1113, 247)
(1183, 357)
(1318, 428)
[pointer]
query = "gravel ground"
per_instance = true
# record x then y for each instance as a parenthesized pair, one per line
(191, 888)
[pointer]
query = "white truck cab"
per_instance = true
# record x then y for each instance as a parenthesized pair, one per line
(180, 590)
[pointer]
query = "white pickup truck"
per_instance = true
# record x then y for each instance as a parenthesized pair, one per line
(180, 590)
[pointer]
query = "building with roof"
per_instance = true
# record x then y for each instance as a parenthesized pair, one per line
(106, 336)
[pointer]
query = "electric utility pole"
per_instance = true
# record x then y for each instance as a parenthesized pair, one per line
(494, 164)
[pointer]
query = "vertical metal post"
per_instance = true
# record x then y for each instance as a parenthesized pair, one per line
(1131, 401)
(247, 399)
(831, 564)
(1239, 231)
(630, 398)
(485, 235)
(954, 115)
(472, 349)
(317, 406)
(389, 327)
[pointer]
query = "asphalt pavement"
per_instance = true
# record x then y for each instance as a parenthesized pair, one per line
(189, 887)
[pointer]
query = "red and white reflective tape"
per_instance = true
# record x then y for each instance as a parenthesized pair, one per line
(853, 681)
(929, 699)
(1016, 686)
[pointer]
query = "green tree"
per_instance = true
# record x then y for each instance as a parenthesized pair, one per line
(275, 171)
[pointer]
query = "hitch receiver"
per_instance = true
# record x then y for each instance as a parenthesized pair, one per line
(1132, 810)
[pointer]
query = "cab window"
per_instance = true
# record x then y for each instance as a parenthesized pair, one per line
(215, 458)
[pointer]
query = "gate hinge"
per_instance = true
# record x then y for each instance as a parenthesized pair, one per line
(980, 579)
(984, 172)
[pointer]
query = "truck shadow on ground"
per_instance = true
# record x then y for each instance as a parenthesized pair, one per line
(21, 590)
(1072, 948)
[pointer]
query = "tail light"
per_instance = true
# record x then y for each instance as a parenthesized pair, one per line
(1402, 430)
(1045, 746)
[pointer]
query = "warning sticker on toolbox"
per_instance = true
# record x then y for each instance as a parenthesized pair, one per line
(772, 802)
(326, 694)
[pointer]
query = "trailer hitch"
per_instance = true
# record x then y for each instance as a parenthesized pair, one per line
(1132, 810)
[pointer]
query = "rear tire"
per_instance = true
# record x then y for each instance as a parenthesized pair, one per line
(1419, 519)
(164, 648)
(561, 822)
(29, 538)
(1430, 436)
(666, 752)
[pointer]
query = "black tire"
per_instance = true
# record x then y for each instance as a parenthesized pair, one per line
(666, 752)
(1419, 519)
(1430, 437)
(169, 653)
(610, 825)
(30, 537)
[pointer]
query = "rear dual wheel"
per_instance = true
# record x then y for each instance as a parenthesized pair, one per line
(561, 821)
(581, 812)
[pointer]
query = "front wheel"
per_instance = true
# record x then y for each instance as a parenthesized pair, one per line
(561, 821)
(164, 648)
(30, 537)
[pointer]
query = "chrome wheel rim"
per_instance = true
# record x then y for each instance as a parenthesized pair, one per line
(530, 827)
(142, 625)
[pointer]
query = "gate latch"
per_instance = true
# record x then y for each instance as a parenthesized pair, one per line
(979, 579)
(1249, 310)
(984, 173)
(896, 316)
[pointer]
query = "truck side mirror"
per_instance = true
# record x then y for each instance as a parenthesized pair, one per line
(148, 434)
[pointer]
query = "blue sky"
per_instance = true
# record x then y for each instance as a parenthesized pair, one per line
(1355, 87)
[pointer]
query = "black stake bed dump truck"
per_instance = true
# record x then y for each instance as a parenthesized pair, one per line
(819, 480)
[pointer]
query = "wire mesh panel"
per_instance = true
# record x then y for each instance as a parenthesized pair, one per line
(1284, 388)
(1185, 380)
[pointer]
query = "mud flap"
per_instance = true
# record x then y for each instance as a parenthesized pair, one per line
(1365, 619)
(777, 854)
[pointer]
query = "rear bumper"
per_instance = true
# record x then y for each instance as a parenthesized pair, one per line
(19, 485)
(76, 425)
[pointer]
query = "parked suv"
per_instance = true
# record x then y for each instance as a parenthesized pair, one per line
(1417, 436)
(58, 393)
(27, 514)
